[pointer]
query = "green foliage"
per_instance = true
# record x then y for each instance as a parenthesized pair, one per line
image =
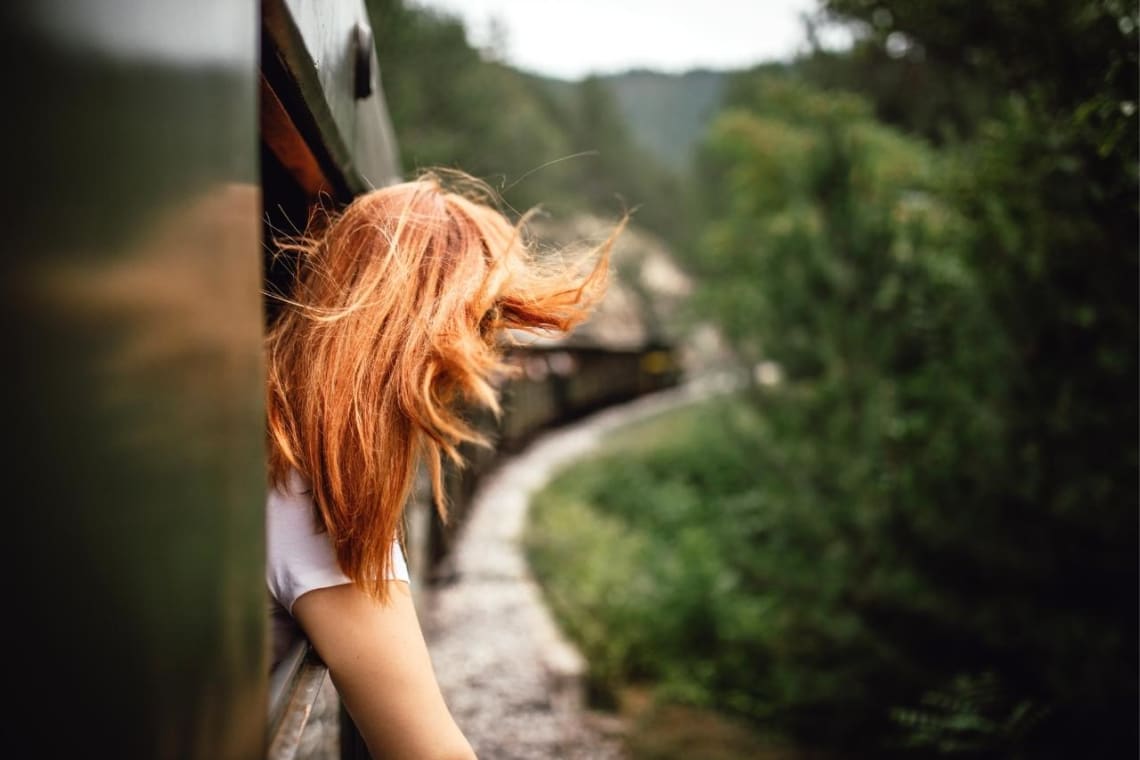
(1062, 50)
(944, 68)
(959, 334)
(943, 106)
(1050, 187)
(829, 252)
(973, 716)
(602, 609)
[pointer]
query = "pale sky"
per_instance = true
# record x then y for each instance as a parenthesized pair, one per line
(571, 38)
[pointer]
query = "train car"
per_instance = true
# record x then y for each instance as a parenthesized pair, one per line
(148, 141)
(154, 147)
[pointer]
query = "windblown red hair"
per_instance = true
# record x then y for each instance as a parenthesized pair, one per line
(395, 321)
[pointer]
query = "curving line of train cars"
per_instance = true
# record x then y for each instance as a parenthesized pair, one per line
(556, 384)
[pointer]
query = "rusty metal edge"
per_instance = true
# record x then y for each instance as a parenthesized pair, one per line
(293, 690)
(285, 38)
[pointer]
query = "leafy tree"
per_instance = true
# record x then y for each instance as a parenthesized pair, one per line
(1051, 185)
(830, 252)
(977, 446)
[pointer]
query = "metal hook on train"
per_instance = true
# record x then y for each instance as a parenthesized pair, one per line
(362, 45)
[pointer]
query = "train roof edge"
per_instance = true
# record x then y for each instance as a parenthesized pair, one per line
(323, 111)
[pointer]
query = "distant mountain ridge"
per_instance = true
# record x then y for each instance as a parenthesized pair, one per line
(666, 113)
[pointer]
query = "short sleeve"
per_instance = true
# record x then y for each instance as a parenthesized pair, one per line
(300, 558)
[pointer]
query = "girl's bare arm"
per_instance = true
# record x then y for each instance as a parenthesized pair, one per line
(380, 665)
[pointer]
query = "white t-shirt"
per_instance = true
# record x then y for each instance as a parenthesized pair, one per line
(300, 558)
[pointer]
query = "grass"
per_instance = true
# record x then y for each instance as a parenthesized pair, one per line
(664, 730)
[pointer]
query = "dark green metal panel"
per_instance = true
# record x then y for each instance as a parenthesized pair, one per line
(133, 404)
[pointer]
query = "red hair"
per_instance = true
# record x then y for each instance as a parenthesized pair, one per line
(395, 321)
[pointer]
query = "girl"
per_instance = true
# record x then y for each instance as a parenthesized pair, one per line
(396, 319)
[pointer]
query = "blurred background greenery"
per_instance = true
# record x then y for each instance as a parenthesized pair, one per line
(914, 533)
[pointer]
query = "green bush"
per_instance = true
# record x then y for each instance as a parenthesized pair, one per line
(670, 563)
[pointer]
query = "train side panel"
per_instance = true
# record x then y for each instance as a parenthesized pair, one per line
(134, 386)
